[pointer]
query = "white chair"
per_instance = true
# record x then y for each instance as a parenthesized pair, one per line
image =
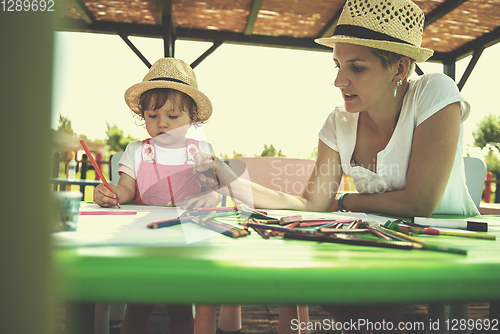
(475, 174)
(115, 158)
(288, 175)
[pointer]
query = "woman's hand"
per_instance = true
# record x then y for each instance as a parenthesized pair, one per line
(214, 173)
(104, 197)
(206, 199)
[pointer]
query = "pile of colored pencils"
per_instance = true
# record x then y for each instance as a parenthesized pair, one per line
(345, 232)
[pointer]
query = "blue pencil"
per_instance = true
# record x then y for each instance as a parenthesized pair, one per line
(169, 222)
(278, 228)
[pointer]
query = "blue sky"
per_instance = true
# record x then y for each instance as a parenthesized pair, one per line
(260, 95)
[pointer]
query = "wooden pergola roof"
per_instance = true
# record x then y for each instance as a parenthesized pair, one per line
(454, 28)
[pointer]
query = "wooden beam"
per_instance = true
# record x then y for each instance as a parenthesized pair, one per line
(206, 54)
(168, 33)
(484, 41)
(441, 11)
(83, 11)
(328, 29)
(148, 30)
(136, 51)
(470, 67)
(252, 17)
(449, 69)
(167, 26)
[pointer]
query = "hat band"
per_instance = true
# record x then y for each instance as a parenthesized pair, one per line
(169, 79)
(365, 33)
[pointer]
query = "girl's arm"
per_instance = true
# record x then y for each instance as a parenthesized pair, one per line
(123, 192)
(433, 153)
(318, 195)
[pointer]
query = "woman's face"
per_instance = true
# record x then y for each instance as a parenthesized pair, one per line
(365, 84)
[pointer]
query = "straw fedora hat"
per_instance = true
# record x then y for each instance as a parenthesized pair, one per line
(391, 25)
(170, 73)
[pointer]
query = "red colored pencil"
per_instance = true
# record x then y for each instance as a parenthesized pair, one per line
(97, 169)
(184, 187)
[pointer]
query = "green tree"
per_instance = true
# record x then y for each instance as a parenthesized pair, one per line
(65, 125)
(116, 139)
(270, 151)
(488, 133)
(493, 163)
(235, 155)
(314, 153)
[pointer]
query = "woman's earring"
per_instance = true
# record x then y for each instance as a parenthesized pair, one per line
(396, 88)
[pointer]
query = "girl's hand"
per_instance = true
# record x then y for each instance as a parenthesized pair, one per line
(105, 198)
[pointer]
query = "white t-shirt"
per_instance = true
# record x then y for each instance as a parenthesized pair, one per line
(132, 157)
(425, 96)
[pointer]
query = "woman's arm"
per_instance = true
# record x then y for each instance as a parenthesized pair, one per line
(433, 153)
(318, 195)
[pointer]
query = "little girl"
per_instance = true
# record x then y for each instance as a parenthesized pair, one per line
(154, 170)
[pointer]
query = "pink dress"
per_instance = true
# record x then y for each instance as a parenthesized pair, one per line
(156, 184)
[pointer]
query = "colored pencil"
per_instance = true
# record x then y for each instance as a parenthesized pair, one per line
(107, 213)
(169, 222)
(215, 208)
(261, 232)
(225, 229)
(395, 234)
(183, 187)
(228, 225)
(344, 239)
(97, 169)
(207, 217)
(219, 229)
(322, 226)
(418, 243)
(254, 213)
(278, 228)
(432, 231)
(338, 230)
(217, 213)
(377, 233)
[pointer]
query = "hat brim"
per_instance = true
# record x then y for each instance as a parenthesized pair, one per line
(417, 53)
(203, 104)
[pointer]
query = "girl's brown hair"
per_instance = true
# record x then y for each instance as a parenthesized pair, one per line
(157, 97)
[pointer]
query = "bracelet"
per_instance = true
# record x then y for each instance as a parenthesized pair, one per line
(341, 201)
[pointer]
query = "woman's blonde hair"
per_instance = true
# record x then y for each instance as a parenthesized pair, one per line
(388, 59)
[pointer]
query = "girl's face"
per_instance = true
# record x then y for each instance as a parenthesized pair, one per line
(365, 84)
(170, 122)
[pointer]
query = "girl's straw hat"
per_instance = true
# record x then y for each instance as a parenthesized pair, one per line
(391, 25)
(170, 73)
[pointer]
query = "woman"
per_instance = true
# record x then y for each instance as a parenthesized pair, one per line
(399, 139)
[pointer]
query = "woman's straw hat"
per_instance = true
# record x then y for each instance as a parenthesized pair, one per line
(391, 25)
(170, 73)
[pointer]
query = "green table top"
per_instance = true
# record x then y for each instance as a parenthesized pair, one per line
(252, 270)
